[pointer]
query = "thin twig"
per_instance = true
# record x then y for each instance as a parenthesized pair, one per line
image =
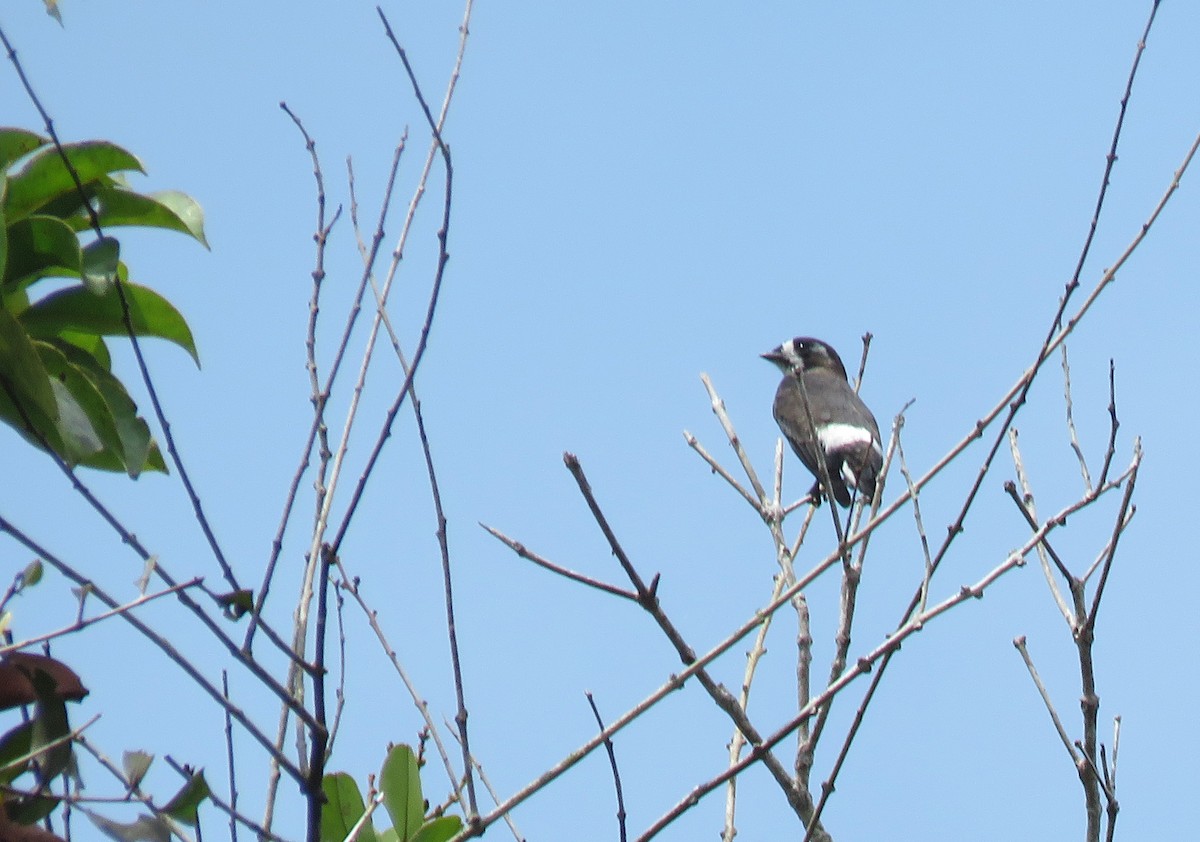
(862, 363)
(860, 667)
(738, 741)
(1039, 535)
(612, 760)
(1025, 505)
(1075, 446)
(525, 553)
(1019, 643)
(1114, 424)
(648, 600)
(916, 500)
(460, 717)
(320, 397)
(233, 792)
(351, 586)
(1118, 529)
(718, 408)
(81, 623)
(718, 469)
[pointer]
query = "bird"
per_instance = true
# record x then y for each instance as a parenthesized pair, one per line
(836, 426)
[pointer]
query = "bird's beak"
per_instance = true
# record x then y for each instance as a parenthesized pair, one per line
(775, 355)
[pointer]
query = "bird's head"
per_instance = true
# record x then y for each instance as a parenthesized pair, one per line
(805, 354)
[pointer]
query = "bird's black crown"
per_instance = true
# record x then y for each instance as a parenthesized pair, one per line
(804, 353)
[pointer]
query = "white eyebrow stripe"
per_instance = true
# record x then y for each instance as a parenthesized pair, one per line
(835, 437)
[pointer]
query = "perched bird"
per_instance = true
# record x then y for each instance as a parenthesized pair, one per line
(837, 426)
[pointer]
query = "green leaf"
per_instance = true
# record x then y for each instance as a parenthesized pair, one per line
(439, 829)
(14, 744)
(49, 727)
(400, 782)
(85, 424)
(3, 234)
(77, 309)
(183, 807)
(137, 764)
(342, 809)
(145, 829)
(90, 344)
(45, 177)
(16, 144)
(186, 209)
(136, 448)
(31, 809)
(118, 206)
(26, 396)
(99, 266)
(41, 247)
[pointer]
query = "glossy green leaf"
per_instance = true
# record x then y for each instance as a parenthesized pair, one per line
(16, 144)
(101, 260)
(400, 783)
(186, 209)
(23, 379)
(76, 309)
(185, 805)
(118, 206)
(342, 809)
(91, 344)
(136, 448)
(40, 247)
(85, 423)
(439, 829)
(46, 177)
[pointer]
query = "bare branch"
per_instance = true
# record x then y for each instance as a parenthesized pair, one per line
(81, 623)
(525, 553)
(1019, 643)
(718, 408)
(1126, 511)
(154, 637)
(1083, 468)
(612, 760)
(1114, 424)
(372, 616)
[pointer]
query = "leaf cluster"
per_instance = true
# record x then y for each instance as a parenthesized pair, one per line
(345, 817)
(64, 289)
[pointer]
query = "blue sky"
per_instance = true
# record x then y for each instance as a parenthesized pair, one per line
(645, 192)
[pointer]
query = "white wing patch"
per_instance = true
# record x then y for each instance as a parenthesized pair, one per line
(836, 437)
